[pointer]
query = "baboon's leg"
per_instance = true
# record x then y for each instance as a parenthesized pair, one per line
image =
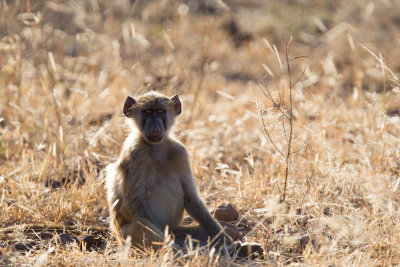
(143, 233)
(199, 234)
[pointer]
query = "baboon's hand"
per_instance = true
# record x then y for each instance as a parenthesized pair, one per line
(226, 239)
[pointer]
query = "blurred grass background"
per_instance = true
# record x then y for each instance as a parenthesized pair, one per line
(67, 66)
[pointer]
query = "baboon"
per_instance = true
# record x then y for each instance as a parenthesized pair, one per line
(151, 184)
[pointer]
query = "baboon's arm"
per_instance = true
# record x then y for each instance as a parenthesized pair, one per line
(196, 208)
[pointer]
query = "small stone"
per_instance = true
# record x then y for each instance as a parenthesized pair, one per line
(226, 212)
(232, 231)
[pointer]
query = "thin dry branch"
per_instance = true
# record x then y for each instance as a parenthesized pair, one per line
(268, 135)
(287, 115)
(289, 142)
(267, 93)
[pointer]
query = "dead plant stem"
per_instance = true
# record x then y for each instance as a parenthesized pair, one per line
(289, 141)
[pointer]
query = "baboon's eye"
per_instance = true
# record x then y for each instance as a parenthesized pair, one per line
(147, 111)
(160, 111)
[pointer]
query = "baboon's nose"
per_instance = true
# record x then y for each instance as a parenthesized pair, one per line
(155, 132)
(155, 135)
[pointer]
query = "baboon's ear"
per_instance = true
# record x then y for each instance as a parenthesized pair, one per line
(177, 104)
(129, 102)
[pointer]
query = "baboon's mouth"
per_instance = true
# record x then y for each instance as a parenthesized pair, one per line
(154, 139)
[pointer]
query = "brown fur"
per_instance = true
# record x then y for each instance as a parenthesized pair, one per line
(151, 185)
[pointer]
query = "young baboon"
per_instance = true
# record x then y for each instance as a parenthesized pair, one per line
(151, 184)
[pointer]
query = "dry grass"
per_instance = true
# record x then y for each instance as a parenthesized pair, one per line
(66, 68)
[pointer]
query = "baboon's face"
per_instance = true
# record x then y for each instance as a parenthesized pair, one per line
(154, 124)
(153, 114)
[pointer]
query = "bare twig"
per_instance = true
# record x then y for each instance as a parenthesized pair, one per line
(266, 131)
(301, 147)
(295, 58)
(287, 114)
(301, 75)
(277, 105)
(289, 142)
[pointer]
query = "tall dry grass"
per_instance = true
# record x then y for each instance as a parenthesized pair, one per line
(66, 68)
